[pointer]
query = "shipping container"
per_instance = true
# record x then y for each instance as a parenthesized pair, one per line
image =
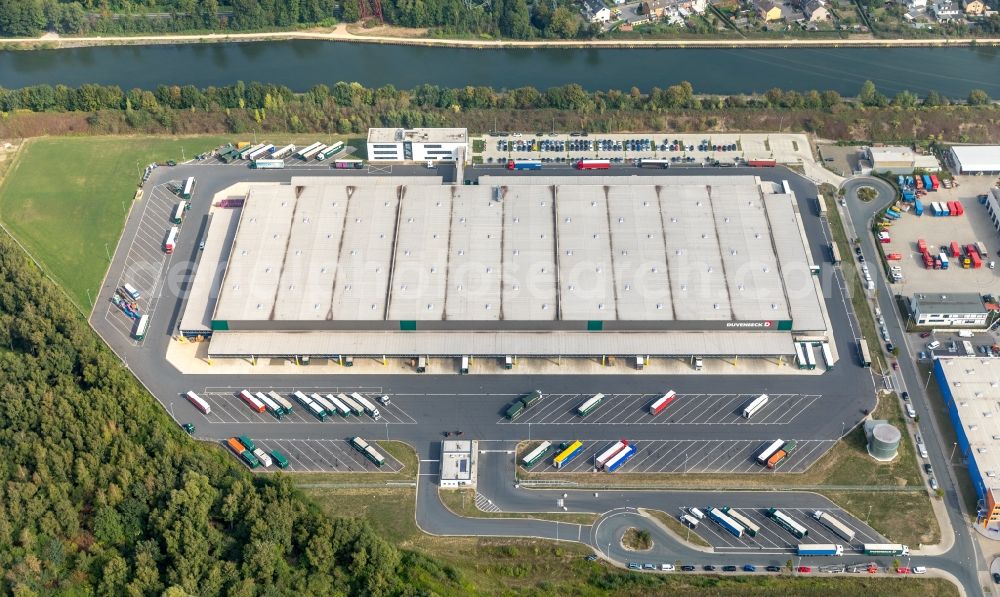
(568, 454)
(267, 164)
(885, 549)
(589, 405)
(918, 207)
(330, 151)
(844, 531)
(620, 458)
(251, 401)
(536, 455)
(171, 243)
(310, 149)
(272, 407)
(601, 459)
(524, 165)
(820, 549)
(348, 164)
(262, 457)
(141, 326)
(769, 451)
(593, 164)
(198, 402)
(788, 523)
(281, 153)
(662, 402)
(285, 404)
(758, 403)
(351, 404)
(955, 250)
(188, 188)
(748, 525)
(723, 520)
(762, 163)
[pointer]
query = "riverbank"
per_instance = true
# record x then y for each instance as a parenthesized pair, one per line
(396, 36)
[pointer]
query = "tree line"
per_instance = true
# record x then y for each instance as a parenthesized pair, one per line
(517, 19)
(102, 494)
(264, 97)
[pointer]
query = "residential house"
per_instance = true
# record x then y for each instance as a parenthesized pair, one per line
(918, 5)
(816, 11)
(945, 10)
(596, 11)
(768, 10)
(974, 8)
(660, 9)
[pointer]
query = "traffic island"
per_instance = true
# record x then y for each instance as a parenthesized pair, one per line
(637, 540)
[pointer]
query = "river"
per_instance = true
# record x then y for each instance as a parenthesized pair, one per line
(301, 64)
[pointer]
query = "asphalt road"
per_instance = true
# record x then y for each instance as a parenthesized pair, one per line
(964, 559)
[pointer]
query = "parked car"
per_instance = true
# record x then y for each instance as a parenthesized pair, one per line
(918, 570)
(634, 566)
(889, 347)
(592, 558)
(774, 568)
(996, 578)
(934, 484)
(688, 568)
(729, 568)
(903, 570)
(708, 568)
(928, 469)
(804, 569)
(749, 568)
(925, 334)
(905, 395)
(648, 566)
(666, 567)
(895, 365)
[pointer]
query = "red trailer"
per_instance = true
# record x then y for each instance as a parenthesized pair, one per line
(977, 262)
(593, 165)
(935, 183)
(955, 250)
(959, 208)
(894, 256)
(921, 245)
(762, 163)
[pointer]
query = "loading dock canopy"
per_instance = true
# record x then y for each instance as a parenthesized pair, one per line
(568, 344)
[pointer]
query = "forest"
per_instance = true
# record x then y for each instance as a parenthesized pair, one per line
(507, 18)
(101, 493)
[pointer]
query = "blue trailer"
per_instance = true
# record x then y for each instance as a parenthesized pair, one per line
(918, 207)
(909, 196)
(620, 458)
(821, 549)
(892, 215)
(909, 181)
(900, 180)
(928, 185)
(524, 165)
(725, 522)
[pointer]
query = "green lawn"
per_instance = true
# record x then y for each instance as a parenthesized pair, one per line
(65, 198)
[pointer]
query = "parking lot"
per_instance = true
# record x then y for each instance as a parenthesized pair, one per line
(939, 232)
(686, 409)
(290, 161)
(690, 456)
(145, 258)
(228, 407)
(678, 149)
(325, 456)
(774, 538)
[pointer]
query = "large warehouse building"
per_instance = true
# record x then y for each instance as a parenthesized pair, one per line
(971, 390)
(976, 159)
(525, 266)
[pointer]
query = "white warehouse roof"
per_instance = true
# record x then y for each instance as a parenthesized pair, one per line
(555, 248)
(977, 158)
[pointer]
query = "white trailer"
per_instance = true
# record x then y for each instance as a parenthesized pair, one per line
(827, 355)
(260, 152)
(351, 404)
(367, 405)
(280, 153)
(330, 408)
(338, 406)
(846, 533)
(309, 153)
(280, 400)
(273, 407)
(263, 457)
(302, 152)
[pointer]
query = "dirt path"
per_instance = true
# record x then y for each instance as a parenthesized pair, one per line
(404, 37)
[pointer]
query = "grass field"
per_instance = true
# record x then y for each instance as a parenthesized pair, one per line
(66, 198)
(498, 566)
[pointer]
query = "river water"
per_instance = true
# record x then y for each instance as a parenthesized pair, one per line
(301, 64)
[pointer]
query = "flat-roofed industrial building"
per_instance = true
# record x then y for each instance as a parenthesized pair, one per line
(423, 144)
(971, 390)
(530, 266)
